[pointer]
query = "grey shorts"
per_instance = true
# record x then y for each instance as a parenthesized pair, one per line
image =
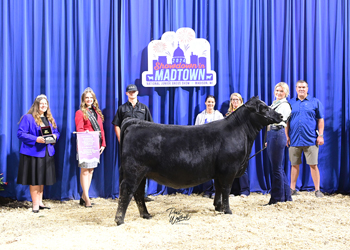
(310, 152)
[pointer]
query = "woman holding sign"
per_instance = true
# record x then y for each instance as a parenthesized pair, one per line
(89, 118)
(38, 133)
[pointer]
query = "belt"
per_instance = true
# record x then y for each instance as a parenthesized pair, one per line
(278, 127)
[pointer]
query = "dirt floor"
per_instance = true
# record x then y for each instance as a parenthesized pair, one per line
(305, 223)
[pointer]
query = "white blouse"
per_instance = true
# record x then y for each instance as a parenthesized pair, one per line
(204, 117)
(283, 108)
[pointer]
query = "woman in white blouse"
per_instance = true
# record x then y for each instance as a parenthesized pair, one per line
(208, 115)
(276, 143)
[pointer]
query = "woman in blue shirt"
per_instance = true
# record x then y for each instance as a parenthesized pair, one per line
(37, 165)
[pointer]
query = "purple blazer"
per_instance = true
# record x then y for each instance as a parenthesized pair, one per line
(28, 132)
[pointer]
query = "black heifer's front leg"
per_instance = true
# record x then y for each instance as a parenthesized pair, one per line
(218, 196)
(218, 202)
(125, 195)
(140, 200)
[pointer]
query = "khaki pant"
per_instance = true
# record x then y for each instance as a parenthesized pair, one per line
(310, 152)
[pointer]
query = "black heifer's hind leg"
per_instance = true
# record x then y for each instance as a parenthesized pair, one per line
(218, 196)
(126, 190)
(225, 199)
(140, 200)
(221, 201)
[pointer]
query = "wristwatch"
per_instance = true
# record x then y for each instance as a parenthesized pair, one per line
(318, 134)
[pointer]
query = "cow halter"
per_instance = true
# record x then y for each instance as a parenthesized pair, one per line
(264, 145)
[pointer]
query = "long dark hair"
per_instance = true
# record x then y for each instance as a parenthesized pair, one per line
(210, 96)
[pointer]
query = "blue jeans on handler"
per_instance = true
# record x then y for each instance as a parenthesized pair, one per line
(276, 143)
(241, 185)
(208, 188)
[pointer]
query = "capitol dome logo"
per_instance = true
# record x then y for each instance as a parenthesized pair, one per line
(179, 60)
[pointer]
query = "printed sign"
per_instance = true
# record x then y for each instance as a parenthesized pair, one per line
(179, 60)
(88, 147)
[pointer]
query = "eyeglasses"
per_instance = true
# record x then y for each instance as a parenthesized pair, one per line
(235, 100)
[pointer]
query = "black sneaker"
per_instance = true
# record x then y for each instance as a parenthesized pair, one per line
(294, 192)
(147, 199)
(318, 194)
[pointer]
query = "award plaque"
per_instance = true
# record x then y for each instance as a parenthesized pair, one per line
(47, 134)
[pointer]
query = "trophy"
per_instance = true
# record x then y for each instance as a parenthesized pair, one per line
(47, 134)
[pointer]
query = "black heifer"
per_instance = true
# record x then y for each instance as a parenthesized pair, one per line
(186, 156)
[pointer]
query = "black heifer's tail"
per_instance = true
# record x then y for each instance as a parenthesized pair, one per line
(126, 123)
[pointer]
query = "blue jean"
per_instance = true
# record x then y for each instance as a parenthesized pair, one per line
(241, 185)
(208, 187)
(276, 143)
(146, 188)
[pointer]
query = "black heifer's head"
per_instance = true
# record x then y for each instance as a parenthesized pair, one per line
(262, 113)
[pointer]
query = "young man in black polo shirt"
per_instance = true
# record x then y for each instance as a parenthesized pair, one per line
(132, 108)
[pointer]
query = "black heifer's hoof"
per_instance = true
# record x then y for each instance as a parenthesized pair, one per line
(228, 212)
(147, 216)
(119, 221)
(219, 208)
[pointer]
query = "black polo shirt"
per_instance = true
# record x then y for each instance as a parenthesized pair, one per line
(140, 111)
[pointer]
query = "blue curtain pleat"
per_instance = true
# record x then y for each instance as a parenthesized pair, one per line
(61, 47)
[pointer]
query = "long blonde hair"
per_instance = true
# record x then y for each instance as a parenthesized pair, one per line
(34, 111)
(83, 106)
(231, 109)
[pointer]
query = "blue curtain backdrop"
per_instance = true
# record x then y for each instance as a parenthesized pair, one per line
(61, 47)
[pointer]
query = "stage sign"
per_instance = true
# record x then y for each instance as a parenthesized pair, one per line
(88, 146)
(179, 60)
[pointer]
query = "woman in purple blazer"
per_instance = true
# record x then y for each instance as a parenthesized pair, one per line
(37, 165)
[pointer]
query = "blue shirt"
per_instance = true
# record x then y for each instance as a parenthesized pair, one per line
(28, 132)
(303, 121)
